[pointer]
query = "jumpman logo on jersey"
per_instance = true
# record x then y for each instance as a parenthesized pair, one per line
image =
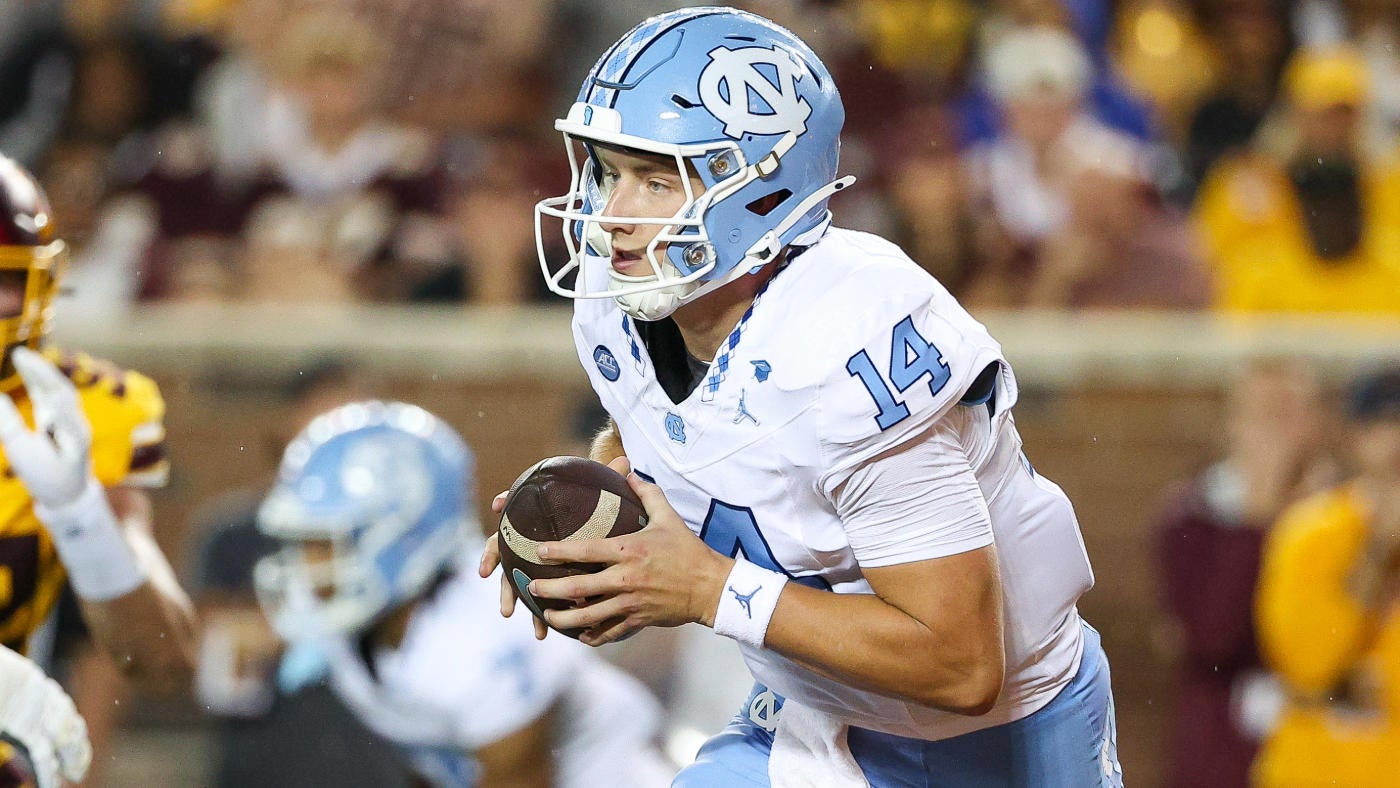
(745, 599)
(743, 411)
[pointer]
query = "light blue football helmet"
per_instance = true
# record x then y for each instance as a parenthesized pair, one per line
(741, 102)
(383, 491)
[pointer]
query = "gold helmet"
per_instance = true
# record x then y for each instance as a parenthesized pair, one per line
(32, 260)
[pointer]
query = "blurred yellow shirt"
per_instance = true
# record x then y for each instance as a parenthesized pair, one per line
(1317, 637)
(1260, 256)
(127, 416)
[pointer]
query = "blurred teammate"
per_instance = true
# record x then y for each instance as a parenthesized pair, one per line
(833, 426)
(373, 507)
(73, 498)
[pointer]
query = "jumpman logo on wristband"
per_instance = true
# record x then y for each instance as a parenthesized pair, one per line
(745, 599)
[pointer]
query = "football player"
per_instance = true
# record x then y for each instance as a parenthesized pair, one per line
(38, 714)
(822, 437)
(373, 508)
(83, 441)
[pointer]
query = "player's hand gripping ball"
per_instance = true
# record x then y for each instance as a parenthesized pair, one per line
(560, 499)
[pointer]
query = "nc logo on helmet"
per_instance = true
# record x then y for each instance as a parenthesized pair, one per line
(759, 94)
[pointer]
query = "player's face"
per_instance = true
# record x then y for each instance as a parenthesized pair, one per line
(319, 555)
(640, 185)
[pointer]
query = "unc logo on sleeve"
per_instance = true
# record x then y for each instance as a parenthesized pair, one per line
(753, 90)
(607, 363)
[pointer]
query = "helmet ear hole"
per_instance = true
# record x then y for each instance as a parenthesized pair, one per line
(767, 203)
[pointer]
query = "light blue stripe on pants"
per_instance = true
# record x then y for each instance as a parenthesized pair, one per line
(1070, 743)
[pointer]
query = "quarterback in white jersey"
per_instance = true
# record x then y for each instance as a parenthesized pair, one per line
(373, 510)
(828, 421)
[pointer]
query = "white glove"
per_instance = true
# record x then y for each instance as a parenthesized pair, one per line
(37, 713)
(52, 460)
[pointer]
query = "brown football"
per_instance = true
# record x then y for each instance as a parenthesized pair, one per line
(556, 499)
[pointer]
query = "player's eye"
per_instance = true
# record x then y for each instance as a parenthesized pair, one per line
(658, 186)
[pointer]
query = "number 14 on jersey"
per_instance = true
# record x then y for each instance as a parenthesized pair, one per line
(911, 358)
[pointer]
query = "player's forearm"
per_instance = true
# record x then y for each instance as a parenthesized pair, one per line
(862, 640)
(607, 445)
(522, 759)
(148, 634)
(535, 775)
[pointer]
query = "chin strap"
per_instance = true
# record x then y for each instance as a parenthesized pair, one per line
(768, 246)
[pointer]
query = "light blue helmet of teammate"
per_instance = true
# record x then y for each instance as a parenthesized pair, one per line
(732, 98)
(372, 504)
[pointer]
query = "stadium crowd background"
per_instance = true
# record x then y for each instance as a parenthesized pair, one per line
(1182, 218)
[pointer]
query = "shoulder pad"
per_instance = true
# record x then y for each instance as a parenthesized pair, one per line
(127, 416)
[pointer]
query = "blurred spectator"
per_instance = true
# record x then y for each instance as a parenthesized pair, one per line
(266, 737)
(108, 234)
(926, 36)
(87, 69)
(896, 56)
(900, 64)
(1044, 232)
(1087, 21)
(1164, 55)
(206, 172)
(1124, 248)
(480, 66)
(926, 185)
(1374, 27)
(231, 98)
(1251, 40)
(1209, 539)
(457, 65)
(1314, 225)
(1329, 613)
(353, 211)
(491, 198)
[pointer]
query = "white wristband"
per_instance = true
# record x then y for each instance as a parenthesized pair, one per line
(746, 605)
(100, 564)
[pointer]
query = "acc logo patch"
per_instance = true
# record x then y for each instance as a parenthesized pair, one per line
(753, 90)
(607, 363)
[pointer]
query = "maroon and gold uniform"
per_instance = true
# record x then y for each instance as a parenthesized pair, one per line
(126, 413)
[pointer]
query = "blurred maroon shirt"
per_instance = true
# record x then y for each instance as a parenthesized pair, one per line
(1209, 562)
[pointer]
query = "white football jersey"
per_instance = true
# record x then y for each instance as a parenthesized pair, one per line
(464, 677)
(851, 351)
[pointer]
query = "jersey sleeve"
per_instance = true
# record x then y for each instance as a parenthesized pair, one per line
(521, 680)
(127, 415)
(906, 361)
(894, 470)
(917, 501)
